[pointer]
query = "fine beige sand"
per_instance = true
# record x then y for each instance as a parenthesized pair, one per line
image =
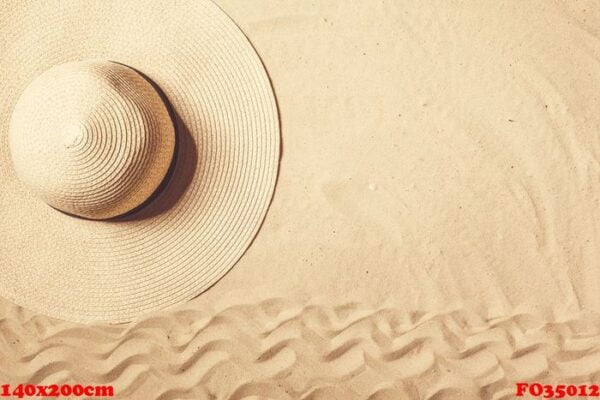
(434, 230)
(278, 349)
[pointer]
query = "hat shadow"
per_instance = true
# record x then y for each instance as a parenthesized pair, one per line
(179, 175)
(176, 181)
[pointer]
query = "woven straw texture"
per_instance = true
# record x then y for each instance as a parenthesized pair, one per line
(217, 190)
(91, 138)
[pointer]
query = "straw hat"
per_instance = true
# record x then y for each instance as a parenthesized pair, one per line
(139, 146)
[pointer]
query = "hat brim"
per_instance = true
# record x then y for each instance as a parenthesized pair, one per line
(217, 195)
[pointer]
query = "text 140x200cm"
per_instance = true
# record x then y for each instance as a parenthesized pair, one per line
(30, 390)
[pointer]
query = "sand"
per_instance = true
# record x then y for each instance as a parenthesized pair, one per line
(278, 349)
(434, 231)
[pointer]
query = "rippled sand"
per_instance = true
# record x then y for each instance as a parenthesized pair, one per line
(278, 349)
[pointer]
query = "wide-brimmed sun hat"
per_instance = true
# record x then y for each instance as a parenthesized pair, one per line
(139, 147)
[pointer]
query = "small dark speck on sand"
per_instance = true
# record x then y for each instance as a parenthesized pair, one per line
(511, 120)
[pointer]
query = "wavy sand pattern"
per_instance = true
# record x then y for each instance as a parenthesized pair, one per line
(283, 350)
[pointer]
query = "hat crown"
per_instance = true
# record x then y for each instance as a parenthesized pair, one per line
(91, 138)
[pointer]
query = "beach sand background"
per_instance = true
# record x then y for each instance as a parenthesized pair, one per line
(434, 230)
